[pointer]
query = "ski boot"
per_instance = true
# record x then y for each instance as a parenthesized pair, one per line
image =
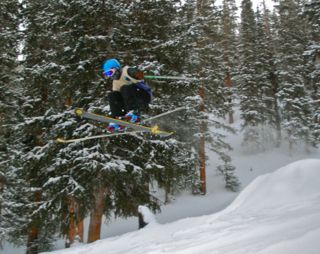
(132, 117)
(114, 127)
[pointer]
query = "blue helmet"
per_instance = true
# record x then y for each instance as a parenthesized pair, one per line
(110, 64)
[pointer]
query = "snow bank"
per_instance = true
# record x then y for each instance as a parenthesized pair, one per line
(278, 213)
(290, 184)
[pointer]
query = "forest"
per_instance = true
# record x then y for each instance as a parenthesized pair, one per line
(264, 61)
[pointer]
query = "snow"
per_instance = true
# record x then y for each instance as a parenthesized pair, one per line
(148, 216)
(277, 213)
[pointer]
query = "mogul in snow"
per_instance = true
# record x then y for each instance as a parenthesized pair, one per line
(130, 95)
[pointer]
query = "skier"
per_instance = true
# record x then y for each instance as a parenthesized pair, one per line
(130, 95)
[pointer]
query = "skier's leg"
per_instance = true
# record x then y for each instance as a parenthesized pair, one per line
(128, 93)
(135, 99)
(117, 106)
(143, 99)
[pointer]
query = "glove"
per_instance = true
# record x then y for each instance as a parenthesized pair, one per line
(140, 75)
(135, 73)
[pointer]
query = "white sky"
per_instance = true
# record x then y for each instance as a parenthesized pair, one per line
(269, 3)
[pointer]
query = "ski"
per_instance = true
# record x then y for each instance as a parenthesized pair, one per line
(163, 114)
(105, 119)
(62, 140)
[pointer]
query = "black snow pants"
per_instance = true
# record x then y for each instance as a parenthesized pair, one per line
(129, 98)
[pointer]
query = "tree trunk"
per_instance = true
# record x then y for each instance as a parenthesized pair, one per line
(202, 149)
(167, 193)
(201, 7)
(69, 101)
(32, 242)
(275, 88)
(226, 58)
(96, 215)
(228, 82)
(75, 223)
(81, 230)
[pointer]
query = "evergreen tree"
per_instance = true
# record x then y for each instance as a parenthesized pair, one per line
(258, 80)
(147, 34)
(230, 26)
(312, 55)
(9, 103)
(206, 59)
(266, 78)
(296, 110)
(249, 84)
(39, 70)
(312, 11)
(270, 36)
(229, 41)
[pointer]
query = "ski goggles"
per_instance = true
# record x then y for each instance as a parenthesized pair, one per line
(110, 72)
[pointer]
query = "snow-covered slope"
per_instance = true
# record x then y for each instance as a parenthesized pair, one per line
(277, 213)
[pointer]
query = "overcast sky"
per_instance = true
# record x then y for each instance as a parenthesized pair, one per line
(256, 3)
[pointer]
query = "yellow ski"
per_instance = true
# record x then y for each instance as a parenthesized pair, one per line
(106, 119)
(137, 128)
(73, 140)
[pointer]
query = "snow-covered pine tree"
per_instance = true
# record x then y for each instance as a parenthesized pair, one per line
(217, 94)
(145, 33)
(232, 182)
(208, 95)
(229, 41)
(312, 55)
(38, 72)
(172, 94)
(9, 89)
(9, 101)
(269, 124)
(270, 37)
(258, 83)
(249, 87)
(295, 101)
(312, 9)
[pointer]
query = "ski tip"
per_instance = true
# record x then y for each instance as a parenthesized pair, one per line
(61, 140)
(166, 134)
(79, 112)
(155, 130)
